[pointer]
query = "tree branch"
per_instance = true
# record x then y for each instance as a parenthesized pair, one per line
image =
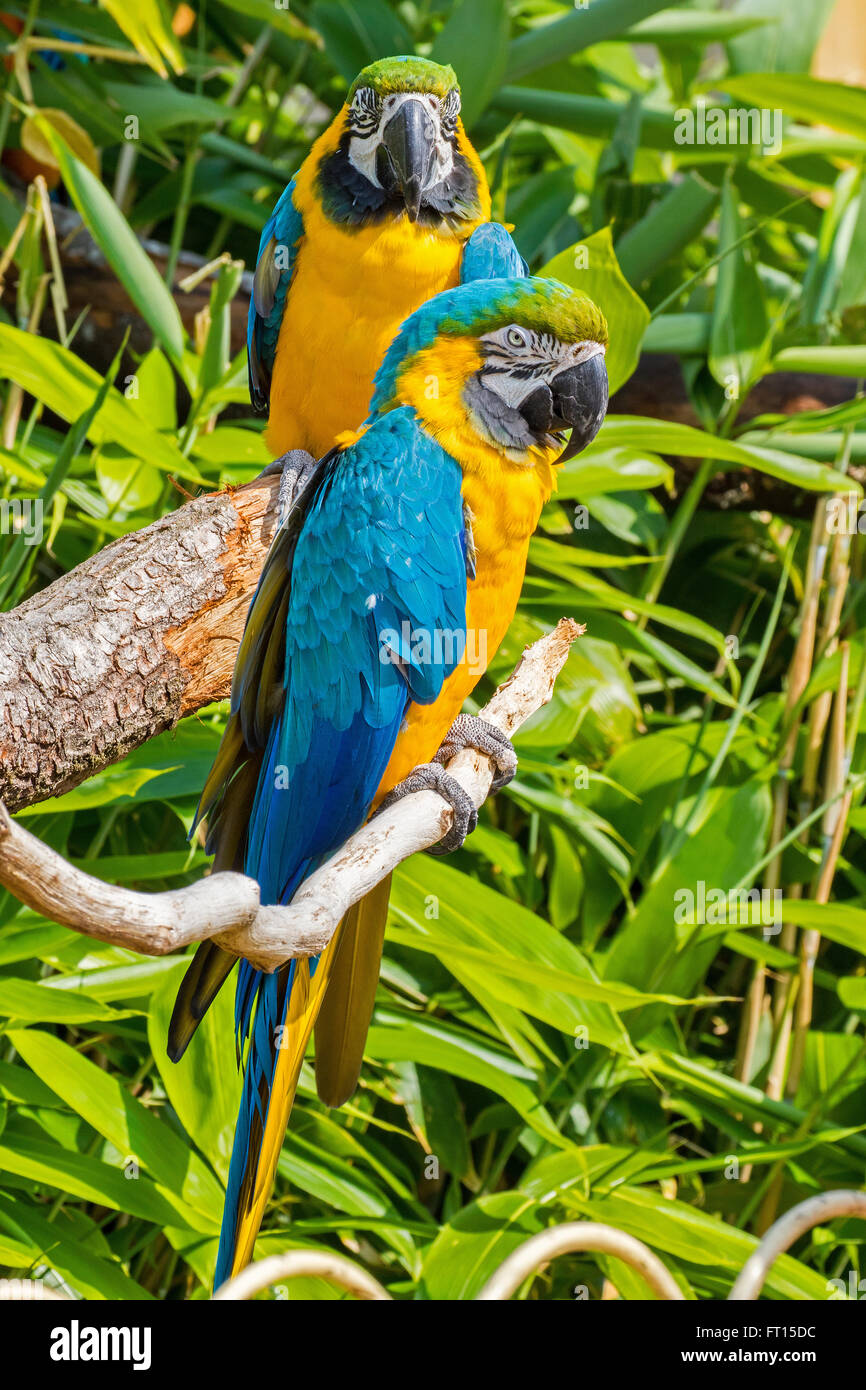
(127, 643)
(226, 906)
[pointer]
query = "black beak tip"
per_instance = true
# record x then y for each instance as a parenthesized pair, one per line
(412, 198)
(581, 396)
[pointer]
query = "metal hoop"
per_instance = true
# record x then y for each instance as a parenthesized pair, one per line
(296, 1264)
(574, 1236)
(786, 1230)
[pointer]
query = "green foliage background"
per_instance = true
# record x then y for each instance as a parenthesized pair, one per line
(544, 1029)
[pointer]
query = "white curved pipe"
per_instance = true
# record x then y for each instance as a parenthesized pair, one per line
(296, 1264)
(786, 1230)
(575, 1236)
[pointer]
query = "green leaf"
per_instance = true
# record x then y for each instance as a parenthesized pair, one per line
(667, 437)
(475, 918)
(841, 923)
(805, 98)
(357, 32)
(24, 999)
(827, 361)
(669, 226)
(68, 386)
(161, 106)
(14, 561)
(787, 43)
(81, 1175)
(121, 248)
(60, 1245)
(695, 26)
(591, 266)
(458, 1053)
(432, 1103)
(588, 116)
(469, 1249)
(474, 40)
(601, 469)
(694, 1236)
(154, 400)
(852, 992)
(205, 1086)
(603, 19)
(739, 338)
(148, 26)
(127, 483)
(128, 1125)
(724, 835)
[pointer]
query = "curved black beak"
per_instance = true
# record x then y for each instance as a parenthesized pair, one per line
(576, 399)
(406, 153)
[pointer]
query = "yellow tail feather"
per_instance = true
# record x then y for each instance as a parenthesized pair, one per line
(304, 1004)
(341, 1030)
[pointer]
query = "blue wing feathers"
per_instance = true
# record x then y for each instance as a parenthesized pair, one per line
(278, 248)
(490, 254)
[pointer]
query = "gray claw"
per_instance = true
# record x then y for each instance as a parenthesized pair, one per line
(295, 469)
(468, 731)
(433, 777)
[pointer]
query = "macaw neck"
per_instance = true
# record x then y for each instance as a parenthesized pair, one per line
(508, 493)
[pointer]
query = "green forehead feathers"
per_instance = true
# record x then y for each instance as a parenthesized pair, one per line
(545, 306)
(406, 74)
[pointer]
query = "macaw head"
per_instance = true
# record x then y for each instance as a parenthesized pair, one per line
(514, 364)
(401, 149)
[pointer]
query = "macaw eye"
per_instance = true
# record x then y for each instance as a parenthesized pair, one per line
(516, 338)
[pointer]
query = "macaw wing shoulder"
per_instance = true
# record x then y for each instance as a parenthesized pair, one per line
(490, 254)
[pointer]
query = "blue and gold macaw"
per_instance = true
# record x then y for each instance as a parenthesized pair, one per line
(390, 206)
(388, 209)
(418, 525)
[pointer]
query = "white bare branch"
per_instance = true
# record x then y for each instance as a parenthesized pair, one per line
(226, 905)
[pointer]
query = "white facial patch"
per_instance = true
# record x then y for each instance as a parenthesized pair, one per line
(517, 360)
(364, 147)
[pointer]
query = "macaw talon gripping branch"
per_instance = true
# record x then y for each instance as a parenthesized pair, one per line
(432, 777)
(295, 469)
(470, 731)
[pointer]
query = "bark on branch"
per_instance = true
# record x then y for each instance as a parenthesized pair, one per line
(127, 643)
(226, 905)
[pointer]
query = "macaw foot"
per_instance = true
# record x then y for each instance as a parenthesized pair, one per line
(295, 468)
(467, 731)
(432, 777)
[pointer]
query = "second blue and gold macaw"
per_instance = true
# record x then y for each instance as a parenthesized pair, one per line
(389, 208)
(418, 523)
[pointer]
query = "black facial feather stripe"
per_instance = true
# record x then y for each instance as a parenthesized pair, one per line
(450, 112)
(522, 373)
(365, 111)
